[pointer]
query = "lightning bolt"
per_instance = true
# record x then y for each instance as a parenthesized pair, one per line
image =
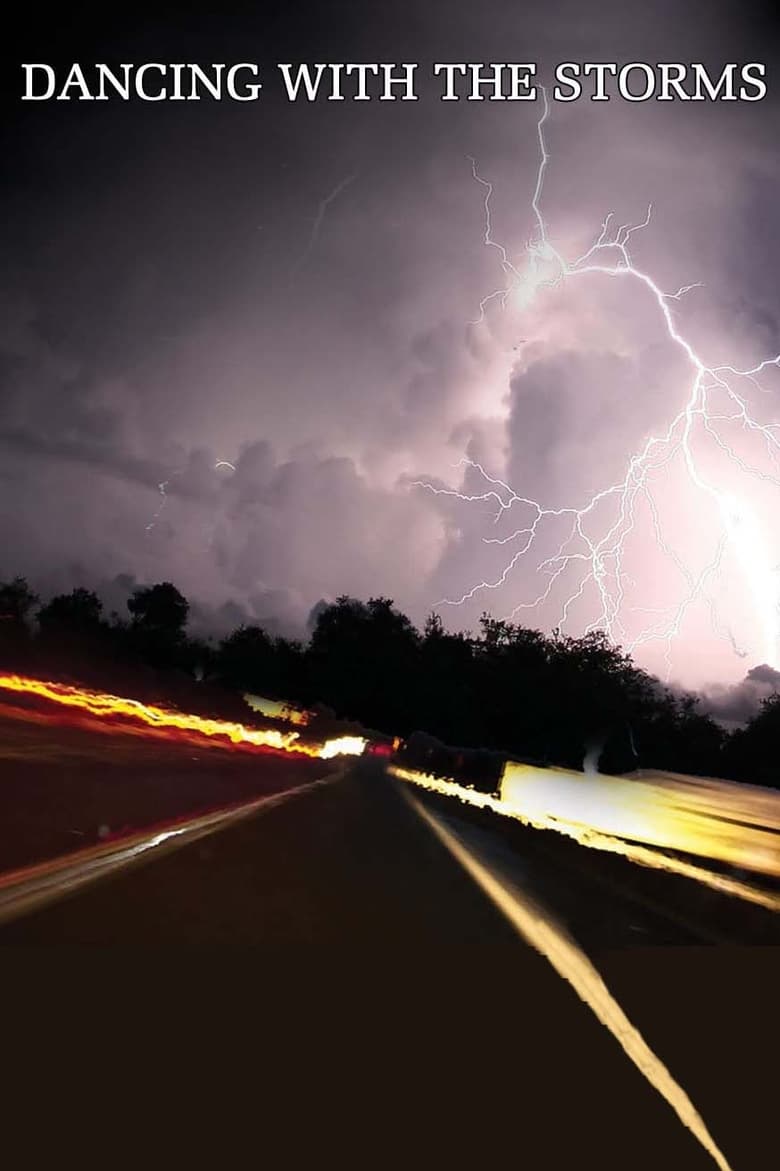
(322, 208)
(592, 550)
(163, 490)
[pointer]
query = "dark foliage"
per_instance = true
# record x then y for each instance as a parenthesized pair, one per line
(157, 629)
(17, 602)
(75, 613)
(752, 752)
(507, 689)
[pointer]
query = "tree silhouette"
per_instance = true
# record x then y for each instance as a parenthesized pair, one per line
(78, 612)
(246, 659)
(513, 672)
(159, 616)
(508, 689)
(71, 631)
(160, 608)
(17, 601)
(446, 682)
(362, 658)
(753, 752)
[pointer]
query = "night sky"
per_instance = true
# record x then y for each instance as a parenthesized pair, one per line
(291, 289)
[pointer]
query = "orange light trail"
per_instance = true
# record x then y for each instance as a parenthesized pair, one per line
(621, 815)
(108, 706)
(278, 710)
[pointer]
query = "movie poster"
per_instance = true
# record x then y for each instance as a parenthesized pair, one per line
(389, 551)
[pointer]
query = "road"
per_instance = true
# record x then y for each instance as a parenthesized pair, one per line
(338, 864)
(67, 784)
(341, 863)
(347, 864)
(320, 859)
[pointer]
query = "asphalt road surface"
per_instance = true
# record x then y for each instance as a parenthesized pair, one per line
(348, 864)
(339, 858)
(70, 784)
(347, 859)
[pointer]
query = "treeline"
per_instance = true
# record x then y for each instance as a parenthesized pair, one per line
(553, 699)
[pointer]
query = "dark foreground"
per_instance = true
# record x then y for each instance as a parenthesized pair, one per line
(420, 1023)
(498, 1054)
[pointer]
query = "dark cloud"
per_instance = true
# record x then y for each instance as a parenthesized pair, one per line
(182, 292)
(734, 706)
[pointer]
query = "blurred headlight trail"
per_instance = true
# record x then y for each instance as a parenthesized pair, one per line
(640, 818)
(178, 724)
(343, 746)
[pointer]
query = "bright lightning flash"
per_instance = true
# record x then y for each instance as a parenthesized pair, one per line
(591, 554)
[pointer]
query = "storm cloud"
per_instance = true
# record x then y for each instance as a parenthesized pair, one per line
(233, 341)
(734, 706)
